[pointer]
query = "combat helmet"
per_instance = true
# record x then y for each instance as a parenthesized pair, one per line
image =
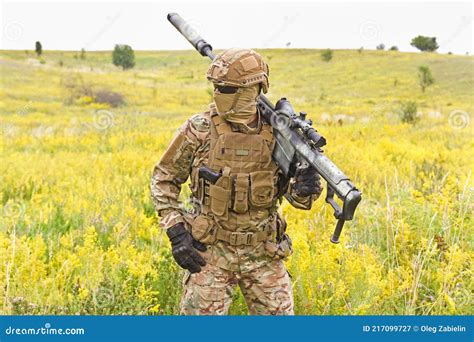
(239, 68)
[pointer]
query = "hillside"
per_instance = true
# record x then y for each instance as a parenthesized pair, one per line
(352, 83)
(78, 232)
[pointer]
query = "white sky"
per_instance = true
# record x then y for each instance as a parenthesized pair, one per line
(72, 25)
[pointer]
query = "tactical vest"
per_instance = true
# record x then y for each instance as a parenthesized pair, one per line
(240, 207)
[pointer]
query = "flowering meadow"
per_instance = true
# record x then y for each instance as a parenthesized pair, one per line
(79, 138)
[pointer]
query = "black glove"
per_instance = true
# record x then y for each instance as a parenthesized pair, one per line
(183, 247)
(307, 182)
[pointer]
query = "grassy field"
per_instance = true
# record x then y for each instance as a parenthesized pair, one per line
(78, 232)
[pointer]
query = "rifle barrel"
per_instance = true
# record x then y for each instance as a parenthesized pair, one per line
(191, 35)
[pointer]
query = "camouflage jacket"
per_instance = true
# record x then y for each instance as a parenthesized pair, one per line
(189, 150)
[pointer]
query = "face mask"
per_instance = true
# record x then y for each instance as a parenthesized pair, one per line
(239, 107)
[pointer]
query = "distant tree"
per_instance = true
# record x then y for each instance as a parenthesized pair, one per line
(450, 53)
(38, 48)
(83, 54)
(408, 112)
(423, 43)
(425, 77)
(394, 48)
(359, 50)
(123, 56)
(326, 55)
(380, 46)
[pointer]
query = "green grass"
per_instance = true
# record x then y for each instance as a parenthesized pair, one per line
(80, 195)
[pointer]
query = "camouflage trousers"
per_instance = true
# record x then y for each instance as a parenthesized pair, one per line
(267, 290)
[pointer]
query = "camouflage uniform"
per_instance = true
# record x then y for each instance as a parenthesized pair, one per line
(236, 217)
(258, 270)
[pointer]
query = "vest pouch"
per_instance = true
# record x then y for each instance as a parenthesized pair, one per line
(279, 250)
(241, 189)
(204, 230)
(219, 198)
(261, 189)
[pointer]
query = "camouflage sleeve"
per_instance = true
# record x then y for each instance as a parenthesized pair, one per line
(171, 172)
(300, 202)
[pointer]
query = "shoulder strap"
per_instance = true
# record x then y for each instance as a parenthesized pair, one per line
(267, 133)
(219, 124)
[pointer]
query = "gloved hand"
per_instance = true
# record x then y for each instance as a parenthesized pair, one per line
(183, 247)
(307, 182)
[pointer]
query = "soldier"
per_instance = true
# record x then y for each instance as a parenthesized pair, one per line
(233, 235)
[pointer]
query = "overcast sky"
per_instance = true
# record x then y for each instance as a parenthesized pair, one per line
(72, 25)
